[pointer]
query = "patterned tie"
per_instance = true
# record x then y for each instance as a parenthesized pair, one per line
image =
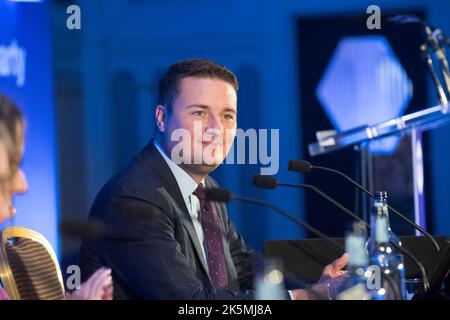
(213, 238)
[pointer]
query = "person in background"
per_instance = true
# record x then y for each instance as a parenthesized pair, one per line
(5, 145)
(13, 182)
(5, 151)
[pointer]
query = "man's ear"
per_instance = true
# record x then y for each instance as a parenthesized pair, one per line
(160, 117)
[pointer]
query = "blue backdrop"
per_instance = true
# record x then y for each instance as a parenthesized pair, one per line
(26, 76)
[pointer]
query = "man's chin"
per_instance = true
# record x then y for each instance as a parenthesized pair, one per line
(201, 169)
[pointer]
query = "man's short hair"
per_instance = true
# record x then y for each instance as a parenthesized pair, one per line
(169, 84)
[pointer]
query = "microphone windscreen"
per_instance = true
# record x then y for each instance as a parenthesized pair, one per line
(299, 166)
(78, 228)
(139, 211)
(218, 194)
(266, 182)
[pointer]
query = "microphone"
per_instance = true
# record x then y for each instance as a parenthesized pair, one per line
(224, 195)
(305, 167)
(94, 229)
(424, 49)
(440, 53)
(434, 38)
(268, 182)
(77, 228)
(271, 183)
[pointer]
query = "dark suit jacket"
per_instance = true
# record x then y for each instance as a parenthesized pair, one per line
(160, 257)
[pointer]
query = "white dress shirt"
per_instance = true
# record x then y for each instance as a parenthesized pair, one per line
(187, 186)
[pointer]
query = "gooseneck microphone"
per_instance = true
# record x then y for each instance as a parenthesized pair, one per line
(78, 228)
(269, 182)
(429, 62)
(94, 229)
(434, 37)
(305, 167)
(224, 195)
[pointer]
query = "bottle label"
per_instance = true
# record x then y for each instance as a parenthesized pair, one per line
(381, 233)
(355, 246)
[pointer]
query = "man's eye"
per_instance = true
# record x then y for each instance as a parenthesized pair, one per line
(198, 113)
(228, 117)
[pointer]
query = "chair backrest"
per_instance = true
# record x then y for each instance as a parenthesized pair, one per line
(29, 269)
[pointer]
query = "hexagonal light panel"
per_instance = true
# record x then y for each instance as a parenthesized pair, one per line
(365, 84)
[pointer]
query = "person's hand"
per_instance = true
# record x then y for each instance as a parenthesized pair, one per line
(334, 269)
(332, 278)
(97, 287)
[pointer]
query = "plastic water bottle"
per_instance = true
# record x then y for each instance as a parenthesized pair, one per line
(355, 288)
(270, 284)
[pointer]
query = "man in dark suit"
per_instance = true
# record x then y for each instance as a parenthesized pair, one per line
(164, 239)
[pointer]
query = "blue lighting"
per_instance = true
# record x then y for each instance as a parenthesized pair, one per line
(25, 0)
(364, 84)
(26, 76)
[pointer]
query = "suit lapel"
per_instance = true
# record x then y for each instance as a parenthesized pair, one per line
(187, 223)
(170, 184)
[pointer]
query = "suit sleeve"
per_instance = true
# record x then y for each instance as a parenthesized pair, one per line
(146, 256)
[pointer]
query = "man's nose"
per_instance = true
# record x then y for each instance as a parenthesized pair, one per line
(214, 123)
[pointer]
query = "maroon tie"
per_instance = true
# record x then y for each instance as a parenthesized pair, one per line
(213, 239)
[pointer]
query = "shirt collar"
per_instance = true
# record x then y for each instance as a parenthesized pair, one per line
(185, 182)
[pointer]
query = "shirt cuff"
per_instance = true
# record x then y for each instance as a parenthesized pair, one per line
(291, 296)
